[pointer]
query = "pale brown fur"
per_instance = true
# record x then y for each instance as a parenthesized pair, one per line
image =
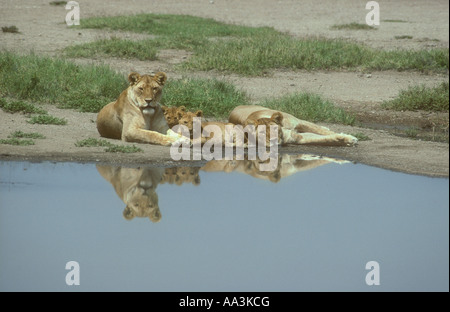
(136, 116)
(173, 114)
(188, 118)
(136, 188)
(287, 165)
(295, 131)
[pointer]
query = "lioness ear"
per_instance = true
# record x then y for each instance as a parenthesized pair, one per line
(128, 213)
(199, 113)
(160, 78)
(277, 118)
(155, 216)
(133, 78)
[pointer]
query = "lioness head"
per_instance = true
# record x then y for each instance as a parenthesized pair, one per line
(141, 199)
(145, 91)
(173, 114)
(275, 120)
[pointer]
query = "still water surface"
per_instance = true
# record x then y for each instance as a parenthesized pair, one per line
(311, 226)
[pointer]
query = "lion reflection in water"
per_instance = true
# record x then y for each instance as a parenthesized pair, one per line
(136, 187)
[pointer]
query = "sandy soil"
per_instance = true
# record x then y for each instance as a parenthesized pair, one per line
(42, 30)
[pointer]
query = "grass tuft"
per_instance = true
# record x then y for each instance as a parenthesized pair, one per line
(110, 148)
(47, 120)
(10, 29)
(59, 82)
(415, 98)
(310, 107)
(20, 107)
(22, 135)
(17, 142)
(214, 97)
(353, 26)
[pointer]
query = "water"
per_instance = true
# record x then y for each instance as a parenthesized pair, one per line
(311, 226)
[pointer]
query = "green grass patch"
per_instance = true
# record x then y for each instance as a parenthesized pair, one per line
(109, 147)
(215, 98)
(249, 50)
(22, 135)
(415, 98)
(361, 136)
(16, 141)
(47, 120)
(20, 107)
(59, 82)
(353, 26)
(310, 107)
(10, 29)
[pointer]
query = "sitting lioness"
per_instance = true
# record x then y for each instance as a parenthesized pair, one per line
(137, 116)
(294, 130)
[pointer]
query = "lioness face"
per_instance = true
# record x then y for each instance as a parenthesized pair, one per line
(146, 91)
(275, 120)
(142, 201)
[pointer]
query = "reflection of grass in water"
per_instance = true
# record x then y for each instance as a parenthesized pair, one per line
(111, 148)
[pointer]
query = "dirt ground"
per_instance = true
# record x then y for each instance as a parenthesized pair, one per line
(43, 30)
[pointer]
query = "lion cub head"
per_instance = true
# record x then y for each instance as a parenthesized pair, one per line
(173, 114)
(188, 119)
(275, 120)
(145, 91)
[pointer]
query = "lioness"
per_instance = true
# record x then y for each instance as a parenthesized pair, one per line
(294, 130)
(136, 188)
(136, 115)
(287, 165)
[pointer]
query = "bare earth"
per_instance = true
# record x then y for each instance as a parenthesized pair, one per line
(42, 30)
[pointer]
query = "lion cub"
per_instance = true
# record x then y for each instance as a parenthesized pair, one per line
(275, 120)
(207, 127)
(173, 114)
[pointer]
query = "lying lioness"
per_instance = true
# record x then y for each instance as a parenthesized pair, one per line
(136, 116)
(294, 130)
